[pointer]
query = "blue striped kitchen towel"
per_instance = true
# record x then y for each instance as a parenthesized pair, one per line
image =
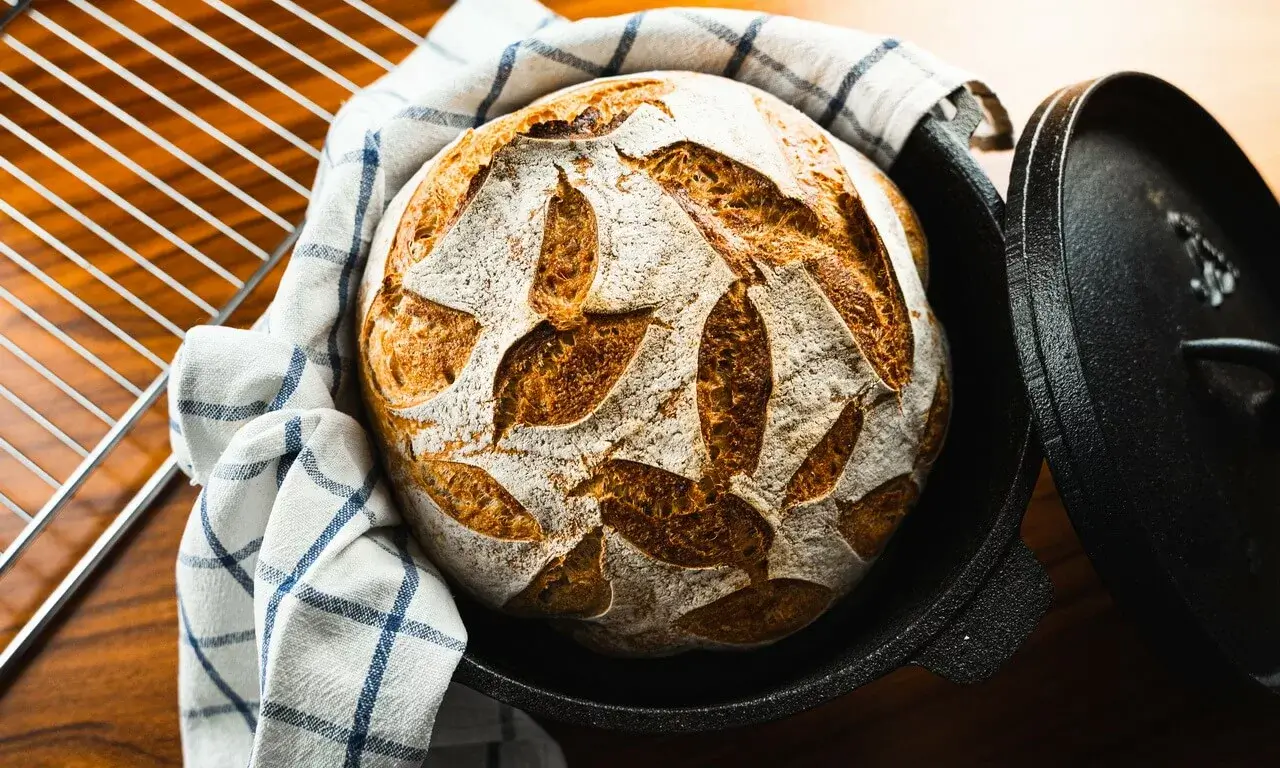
(313, 630)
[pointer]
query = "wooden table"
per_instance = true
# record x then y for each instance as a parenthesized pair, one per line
(1083, 690)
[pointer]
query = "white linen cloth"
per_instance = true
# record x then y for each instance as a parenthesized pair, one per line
(313, 631)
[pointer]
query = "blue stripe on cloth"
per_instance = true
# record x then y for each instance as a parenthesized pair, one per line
(370, 162)
(196, 561)
(548, 51)
(213, 711)
(729, 36)
(219, 551)
(384, 548)
(312, 466)
(505, 65)
(624, 45)
(230, 471)
(174, 425)
(289, 385)
(354, 503)
(745, 43)
(227, 638)
(359, 612)
(219, 412)
(337, 733)
(234, 698)
(352, 157)
(851, 77)
(320, 252)
(435, 117)
(292, 446)
(382, 654)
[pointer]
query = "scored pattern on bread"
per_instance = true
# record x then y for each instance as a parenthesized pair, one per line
(935, 423)
(748, 220)
(825, 464)
(759, 613)
(657, 360)
(461, 168)
(735, 378)
(417, 346)
(589, 124)
(911, 225)
(567, 261)
(471, 496)
(558, 376)
(867, 522)
(679, 521)
(570, 586)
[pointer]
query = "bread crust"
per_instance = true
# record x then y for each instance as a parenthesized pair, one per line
(652, 357)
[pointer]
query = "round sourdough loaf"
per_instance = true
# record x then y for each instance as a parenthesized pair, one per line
(651, 356)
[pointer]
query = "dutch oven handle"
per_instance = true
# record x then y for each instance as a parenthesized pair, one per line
(996, 620)
(1000, 614)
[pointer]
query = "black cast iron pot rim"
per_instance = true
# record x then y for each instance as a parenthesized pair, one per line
(792, 699)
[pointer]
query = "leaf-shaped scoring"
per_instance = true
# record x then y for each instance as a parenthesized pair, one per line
(572, 585)
(567, 261)
(935, 424)
(745, 217)
(868, 522)
(415, 347)
(558, 376)
(735, 380)
(911, 225)
(820, 470)
(471, 496)
(758, 613)
(675, 520)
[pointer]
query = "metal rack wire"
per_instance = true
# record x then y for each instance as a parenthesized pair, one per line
(154, 163)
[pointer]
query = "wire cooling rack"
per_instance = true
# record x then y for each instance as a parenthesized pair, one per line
(155, 159)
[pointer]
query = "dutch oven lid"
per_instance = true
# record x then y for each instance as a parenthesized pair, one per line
(1144, 284)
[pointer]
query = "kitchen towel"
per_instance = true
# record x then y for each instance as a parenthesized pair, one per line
(313, 631)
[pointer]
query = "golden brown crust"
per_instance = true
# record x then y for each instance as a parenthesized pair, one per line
(678, 521)
(588, 125)
(572, 585)
(855, 270)
(747, 219)
(868, 522)
(469, 495)
(735, 379)
(820, 470)
(442, 196)
(567, 260)
(758, 613)
(935, 424)
(553, 376)
(560, 372)
(739, 210)
(414, 347)
(911, 225)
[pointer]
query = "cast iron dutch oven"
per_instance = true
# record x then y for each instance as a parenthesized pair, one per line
(957, 591)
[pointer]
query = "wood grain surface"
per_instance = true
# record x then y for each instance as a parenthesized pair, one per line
(102, 690)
